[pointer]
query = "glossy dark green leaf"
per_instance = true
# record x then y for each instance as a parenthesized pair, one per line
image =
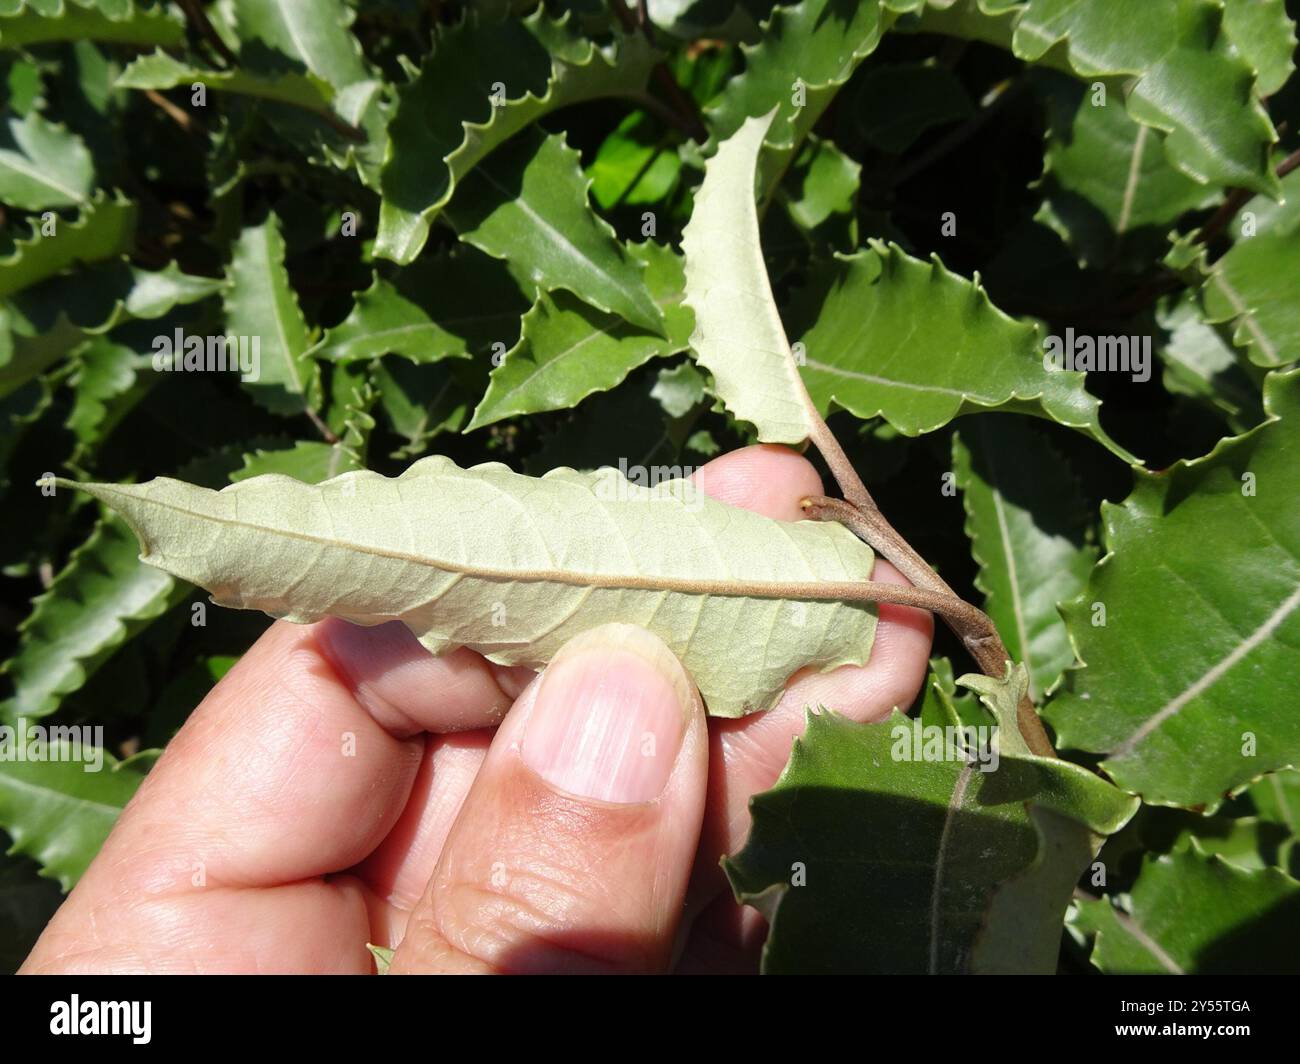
(1190, 624)
(43, 165)
(1175, 61)
(1190, 913)
(1029, 534)
(876, 819)
(59, 812)
(528, 203)
(568, 350)
(104, 229)
(484, 83)
(98, 601)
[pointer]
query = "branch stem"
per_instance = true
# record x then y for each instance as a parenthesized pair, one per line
(1237, 199)
(867, 522)
(974, 627)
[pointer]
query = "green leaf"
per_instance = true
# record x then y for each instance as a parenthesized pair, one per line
(513, 566)
(567, 350)
(1254, 287)
(887, 335)
(58, 813)
(161, 71)
(1107, 175)
(738, 334)
(634, 165)
(825, 184)
(1186, 692)
(316, 41)
(383, 957)
(941, 704)
(1248, 288)
(808, 49)
(1277, 798)
(98, 298)
(106, 386)
(104, 229)
(35, 350)
(309, 461)
(383, 321)
(420, 402)
(43, 165)
(315, 36)
(446, 120)
(261, 305)
(353, 398)
(1246, 841)
(1184, 75)
(1192, 914)
(1277, 217)
(1199, 363)
(528, 204)
(155, 293)
(459, 303)
(627, 427)
(1027, 527)
(99, 600)
(852, 830)
(1265, 37)
(111, 21)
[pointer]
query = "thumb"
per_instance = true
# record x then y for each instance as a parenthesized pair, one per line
(575, 844)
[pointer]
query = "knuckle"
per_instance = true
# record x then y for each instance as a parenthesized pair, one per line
(548, 918)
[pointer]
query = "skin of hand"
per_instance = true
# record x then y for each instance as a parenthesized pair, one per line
(342, 786)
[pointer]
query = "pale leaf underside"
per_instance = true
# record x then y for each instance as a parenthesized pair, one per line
(513, 566)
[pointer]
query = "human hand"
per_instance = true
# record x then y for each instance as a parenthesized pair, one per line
(342, 786)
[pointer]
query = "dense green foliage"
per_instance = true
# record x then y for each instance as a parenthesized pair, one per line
(467, 229)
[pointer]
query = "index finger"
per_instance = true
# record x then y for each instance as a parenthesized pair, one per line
(300, 760)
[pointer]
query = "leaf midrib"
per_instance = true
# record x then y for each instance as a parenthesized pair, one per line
(822, 591)
(1013, 576)
(1247, 316)
(19, 163)
(1211, 676)
(958, 798)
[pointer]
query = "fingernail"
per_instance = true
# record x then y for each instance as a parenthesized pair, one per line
(609, 717)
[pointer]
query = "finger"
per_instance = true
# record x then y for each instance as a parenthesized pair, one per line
(300, 760)
(399, 869)
(747, 755)
(573, 850)
(767, 479)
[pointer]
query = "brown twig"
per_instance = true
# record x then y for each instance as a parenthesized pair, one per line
(177, 114)
(975, 629)
(326, 432)
(1237, 199)
(860, 514)
(339, 126)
